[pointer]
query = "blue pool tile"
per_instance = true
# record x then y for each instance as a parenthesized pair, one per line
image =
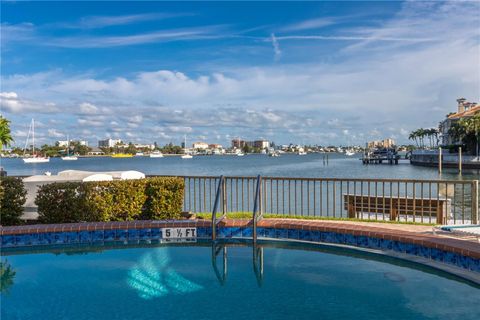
(43, 238)
(412, 249)
(396, 246)
(373, 243)
(224, 232)
(236, 232)
(281, 233)
(23, 240)
(247, 232)
(328, 237)
(473, 264)
(208, 232)
(201, 232)
(85, 236)
(340, 238)
(362, 241)
(97, 235)
(72, 237)
(386, 244)
(269, 233)
(8, 241)
(155, 233)
(424, 252)
(121, 235)
(145, 234)
(315, 235)
(436, 255)
(133, 234)
(450, 257)
(109, 235)
(304, 235)
(350, 239)
(260, 232)
(292, 234)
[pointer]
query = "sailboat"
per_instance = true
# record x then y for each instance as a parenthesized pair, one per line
(34, 158)
(68, 157)
(186, 155)
(349, 152)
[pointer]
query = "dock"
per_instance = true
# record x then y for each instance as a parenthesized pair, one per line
(388, 156)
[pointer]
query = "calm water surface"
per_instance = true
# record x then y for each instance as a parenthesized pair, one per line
(161, 282)
(291, 165)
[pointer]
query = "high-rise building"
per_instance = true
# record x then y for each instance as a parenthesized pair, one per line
(109, 143)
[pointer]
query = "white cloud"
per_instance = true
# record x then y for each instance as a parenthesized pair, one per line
(10, 102)
(55, 134)
(88, 108)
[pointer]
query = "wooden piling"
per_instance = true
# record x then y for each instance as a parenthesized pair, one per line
(460, 159)
(440, 160)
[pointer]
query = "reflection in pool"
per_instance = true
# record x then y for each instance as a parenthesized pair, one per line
(231, 281)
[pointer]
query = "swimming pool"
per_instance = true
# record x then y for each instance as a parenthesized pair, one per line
(273, 280)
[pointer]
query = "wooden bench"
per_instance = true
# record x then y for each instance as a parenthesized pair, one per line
(420, 207)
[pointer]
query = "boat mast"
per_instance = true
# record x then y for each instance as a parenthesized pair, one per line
(33, 136)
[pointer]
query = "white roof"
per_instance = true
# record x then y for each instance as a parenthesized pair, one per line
(78, 175)
(98, 177)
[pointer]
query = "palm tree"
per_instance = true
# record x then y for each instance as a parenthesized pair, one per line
(472, 126)
(5, 134)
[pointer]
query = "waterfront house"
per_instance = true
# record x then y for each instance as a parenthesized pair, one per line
(465, 110)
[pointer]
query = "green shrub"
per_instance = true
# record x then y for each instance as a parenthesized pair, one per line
(151, 198)
(116, 200)
(164, 198)
(12, 199)
(60, 203)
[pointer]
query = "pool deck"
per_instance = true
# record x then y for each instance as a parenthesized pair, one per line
(414, 234)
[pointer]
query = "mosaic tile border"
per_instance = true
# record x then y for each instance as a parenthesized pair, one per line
(14, 237)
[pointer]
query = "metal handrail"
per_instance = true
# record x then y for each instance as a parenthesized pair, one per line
(257, 207)
(220, 192)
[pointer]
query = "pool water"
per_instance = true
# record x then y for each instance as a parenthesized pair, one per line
(275, 281)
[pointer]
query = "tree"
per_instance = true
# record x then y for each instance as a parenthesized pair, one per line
(5, 133)
(472, 126)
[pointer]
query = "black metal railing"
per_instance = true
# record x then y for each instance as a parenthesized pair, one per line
(422, 201)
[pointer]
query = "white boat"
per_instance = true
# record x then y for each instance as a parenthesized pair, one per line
(156, 154)
(186, 155)
(139, 154)
(68, 157)
(34, 158)
(274, 154)
(240, 154)
(349, 153)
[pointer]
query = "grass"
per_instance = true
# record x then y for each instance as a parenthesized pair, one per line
(248, 215)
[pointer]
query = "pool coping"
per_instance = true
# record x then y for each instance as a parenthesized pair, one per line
(411, 240)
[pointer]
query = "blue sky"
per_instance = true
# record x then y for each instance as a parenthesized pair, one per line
(305, 72)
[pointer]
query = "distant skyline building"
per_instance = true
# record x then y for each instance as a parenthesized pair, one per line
(261, 144)
(385, 143)
(200, 145)
(109, 143)
(64, 143)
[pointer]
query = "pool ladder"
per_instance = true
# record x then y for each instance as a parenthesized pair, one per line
(222, 196)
